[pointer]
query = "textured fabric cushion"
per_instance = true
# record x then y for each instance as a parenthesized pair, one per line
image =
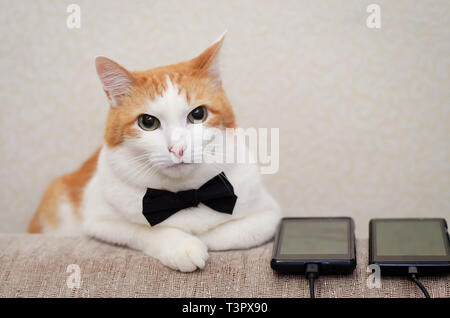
(35, 266)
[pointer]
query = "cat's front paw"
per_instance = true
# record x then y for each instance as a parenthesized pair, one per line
(183, 252)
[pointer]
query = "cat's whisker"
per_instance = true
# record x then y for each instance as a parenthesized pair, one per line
(145, 158)
(152, 170)
(140, 165)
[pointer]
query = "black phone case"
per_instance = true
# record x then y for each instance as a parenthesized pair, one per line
(401, 267)
(328, 266)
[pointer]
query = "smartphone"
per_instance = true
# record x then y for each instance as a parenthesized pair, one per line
(397, 244)
(328, 242)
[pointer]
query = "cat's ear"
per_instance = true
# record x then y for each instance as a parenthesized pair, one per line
(208, 61)
(116, 80)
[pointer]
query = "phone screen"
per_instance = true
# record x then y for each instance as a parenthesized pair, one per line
(409, 237)
(315, 237)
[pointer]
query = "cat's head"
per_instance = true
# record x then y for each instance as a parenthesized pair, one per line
(154, 113)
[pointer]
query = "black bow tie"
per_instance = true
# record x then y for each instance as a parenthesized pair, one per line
(217, 194)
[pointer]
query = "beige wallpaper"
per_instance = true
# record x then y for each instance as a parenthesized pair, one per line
(364, 114)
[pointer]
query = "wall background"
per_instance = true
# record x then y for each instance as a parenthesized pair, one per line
(364, 114)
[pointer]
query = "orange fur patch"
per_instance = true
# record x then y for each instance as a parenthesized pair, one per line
(72, 186)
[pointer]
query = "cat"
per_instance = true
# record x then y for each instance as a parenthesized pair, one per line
(151, 113)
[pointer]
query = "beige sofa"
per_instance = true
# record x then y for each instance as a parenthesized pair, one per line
(36, 266)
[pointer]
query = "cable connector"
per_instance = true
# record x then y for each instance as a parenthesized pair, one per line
(412, 274)
(412, 270)
(312, 272)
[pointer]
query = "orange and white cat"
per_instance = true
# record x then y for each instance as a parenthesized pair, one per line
(151, 114)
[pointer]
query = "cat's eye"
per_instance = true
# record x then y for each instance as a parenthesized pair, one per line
(147, 122)
(198, 115)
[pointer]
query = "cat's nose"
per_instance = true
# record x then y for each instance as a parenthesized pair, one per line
(177, 150)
